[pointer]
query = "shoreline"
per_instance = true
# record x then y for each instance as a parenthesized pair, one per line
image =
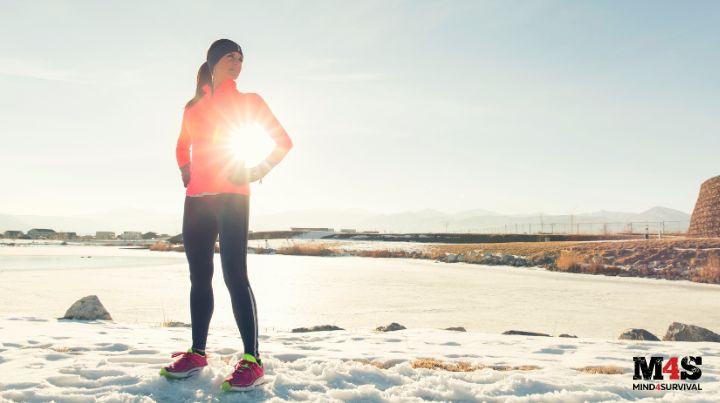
(692, 259)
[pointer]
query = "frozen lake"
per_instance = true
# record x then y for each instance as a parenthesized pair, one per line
(140, 286)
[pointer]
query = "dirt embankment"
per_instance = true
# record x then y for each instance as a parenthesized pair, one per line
(694, 259)
(677, 259)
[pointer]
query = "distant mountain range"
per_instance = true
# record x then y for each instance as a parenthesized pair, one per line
(476, 220)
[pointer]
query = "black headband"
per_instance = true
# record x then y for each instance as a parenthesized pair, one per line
(220, 48)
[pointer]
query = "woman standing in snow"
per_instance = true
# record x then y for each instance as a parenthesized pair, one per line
(217, 203)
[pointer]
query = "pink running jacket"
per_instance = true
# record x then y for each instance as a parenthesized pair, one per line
(206, 129)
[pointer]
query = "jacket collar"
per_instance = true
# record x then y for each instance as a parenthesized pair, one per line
(224, 86)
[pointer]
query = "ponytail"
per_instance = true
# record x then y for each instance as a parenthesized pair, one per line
(204, 77)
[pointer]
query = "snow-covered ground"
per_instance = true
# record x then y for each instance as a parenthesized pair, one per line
(42, 359)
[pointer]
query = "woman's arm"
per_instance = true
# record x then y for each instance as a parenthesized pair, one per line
(182, 152)
(274, 129)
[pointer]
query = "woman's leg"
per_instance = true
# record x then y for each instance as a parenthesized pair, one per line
(200, 230)
(234, 219)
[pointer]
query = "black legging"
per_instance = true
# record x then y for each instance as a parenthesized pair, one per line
(203, 219)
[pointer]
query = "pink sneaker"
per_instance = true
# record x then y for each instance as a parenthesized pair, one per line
(186, 366)
(248, 373)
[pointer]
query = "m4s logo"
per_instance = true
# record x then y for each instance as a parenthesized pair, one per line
(654, 370)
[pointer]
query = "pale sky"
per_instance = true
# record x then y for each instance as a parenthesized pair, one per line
(509, 106)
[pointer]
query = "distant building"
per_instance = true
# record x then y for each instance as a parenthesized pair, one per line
(130, 235)
(307, 229)
(42, 233)
(13, 234)
(104, 235)
(348, 231)
(371, 232)
(67, 235)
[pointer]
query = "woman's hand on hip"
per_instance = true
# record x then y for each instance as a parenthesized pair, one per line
(242, 175)
(258, 172)
(185, 171)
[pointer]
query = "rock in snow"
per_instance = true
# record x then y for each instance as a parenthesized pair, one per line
(391, 327)
(524, 333)
(87, 308)
(571, 336)
(682, 332)
(638, 334)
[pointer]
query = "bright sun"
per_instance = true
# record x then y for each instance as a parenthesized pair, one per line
(250, 143)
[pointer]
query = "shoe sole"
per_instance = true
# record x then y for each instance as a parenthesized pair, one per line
(179, 375)
(227, 387)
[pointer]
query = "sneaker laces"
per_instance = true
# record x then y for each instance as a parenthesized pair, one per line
(185, 355)
(175, 354)
(241, 365)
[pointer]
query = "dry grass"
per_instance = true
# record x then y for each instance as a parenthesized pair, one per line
(383, 253)
(463, 366)
(569, 261)
(62, 349)
(262, 250)
(172, 323)
(710, 273)
(596, 265)
(163, 246)
(602, 370)
(308, 249)
(460, 366)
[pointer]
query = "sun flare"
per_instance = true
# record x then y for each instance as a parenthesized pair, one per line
(250, 143)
